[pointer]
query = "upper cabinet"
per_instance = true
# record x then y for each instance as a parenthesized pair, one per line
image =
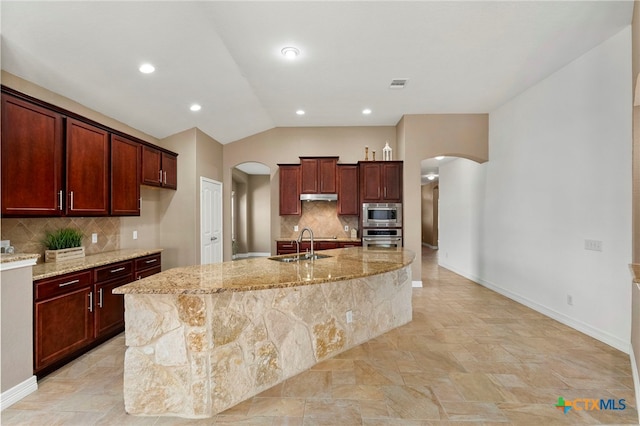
(348, 203)
(125, 177)
(31, 159)
(289, 189)
(87, 170)
(57, 163)
(159, 168)
(318, 175)
(381, 181)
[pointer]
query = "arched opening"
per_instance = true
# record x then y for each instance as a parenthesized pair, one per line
(250, 210)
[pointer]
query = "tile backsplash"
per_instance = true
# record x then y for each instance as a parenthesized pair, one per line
(322, 218)
(26, 235)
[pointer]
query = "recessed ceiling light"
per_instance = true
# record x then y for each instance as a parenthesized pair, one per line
(147, 68)
(439, 157)
(300, 112)
(195, 107)
(290, 52)
(366, 111)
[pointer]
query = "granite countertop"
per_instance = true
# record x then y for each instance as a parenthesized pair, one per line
(264, 273)
(17, 257)
(635, 272)
(48, 270)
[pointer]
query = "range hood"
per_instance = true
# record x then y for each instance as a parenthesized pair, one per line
(318, 197)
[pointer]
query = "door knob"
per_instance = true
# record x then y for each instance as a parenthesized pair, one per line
(214, 238)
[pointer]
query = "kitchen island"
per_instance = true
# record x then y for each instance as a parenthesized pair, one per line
(203, 338)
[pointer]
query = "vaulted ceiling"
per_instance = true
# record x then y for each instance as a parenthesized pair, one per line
(458, 57)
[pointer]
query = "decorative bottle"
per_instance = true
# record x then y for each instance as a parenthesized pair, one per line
(387, 152)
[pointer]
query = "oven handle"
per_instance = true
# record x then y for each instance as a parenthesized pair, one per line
(383, 239)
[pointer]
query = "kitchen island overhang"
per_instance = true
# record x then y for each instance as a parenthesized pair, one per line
(203, 338)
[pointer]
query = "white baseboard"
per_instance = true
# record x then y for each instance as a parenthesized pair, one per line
(416, 284)
(16, 393)
(582, 327)
(636, 378)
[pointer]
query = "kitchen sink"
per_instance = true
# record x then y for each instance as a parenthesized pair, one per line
(298, 257)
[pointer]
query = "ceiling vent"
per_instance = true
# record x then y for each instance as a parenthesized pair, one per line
(398, 83)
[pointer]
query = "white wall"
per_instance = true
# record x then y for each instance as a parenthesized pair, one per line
(559, 172)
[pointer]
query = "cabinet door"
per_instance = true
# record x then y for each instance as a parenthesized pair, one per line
(169, 171)
(31, 159)
(392, 182)
(309, 176)
(290, 190)
(125, 177)
(87, 170)
(370, 182)
(151, 166)
(327, 175)
(286, 247)
(63, 325)
(109, 307)
(348, 189)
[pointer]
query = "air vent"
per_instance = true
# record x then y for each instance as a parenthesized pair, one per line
(398, 83)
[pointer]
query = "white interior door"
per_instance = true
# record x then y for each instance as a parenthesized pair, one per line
(210, 221)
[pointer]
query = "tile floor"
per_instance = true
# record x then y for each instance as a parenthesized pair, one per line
(470, 356)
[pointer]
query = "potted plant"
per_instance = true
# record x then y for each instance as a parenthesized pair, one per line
(63, 244)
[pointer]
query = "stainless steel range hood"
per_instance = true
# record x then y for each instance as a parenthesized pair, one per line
(318, 197)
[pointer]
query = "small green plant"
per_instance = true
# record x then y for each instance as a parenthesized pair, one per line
(62, 239)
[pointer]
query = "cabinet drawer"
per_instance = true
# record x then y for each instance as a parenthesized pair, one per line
(60, 285)
(147, 272)
(113, 270)
(148, 261)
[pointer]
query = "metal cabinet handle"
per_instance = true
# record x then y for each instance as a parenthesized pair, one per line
(68, 283)
(90, 301)
(60, 200)
(385, 192)
(71, 197)
(160, 176)
(113, 271)
(151, 261)
(165, 178)
(100, 298)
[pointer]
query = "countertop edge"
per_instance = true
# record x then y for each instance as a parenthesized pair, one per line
(635, 272)
(15, 261)
(49, 270)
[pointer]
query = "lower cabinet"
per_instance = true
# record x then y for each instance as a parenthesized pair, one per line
(289, 247)
(75, 312)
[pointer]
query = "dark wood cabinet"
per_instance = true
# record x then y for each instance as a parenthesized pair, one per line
(31, 152)
(290, 247)
(77, 311)
(87, 170)
(125, 177)
(63, 317)
(159, 168)
(318, 175)
(289, 189)
(147, 266)
(348, 201)
(380, 181)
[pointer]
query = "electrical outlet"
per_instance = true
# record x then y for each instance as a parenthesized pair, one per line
(295, 228)
(346, 228)
(94, 238)
(135, 235)
(569, 300)
(349, 317)
(594, 245)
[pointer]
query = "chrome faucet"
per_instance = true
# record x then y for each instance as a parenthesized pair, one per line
(306, 228)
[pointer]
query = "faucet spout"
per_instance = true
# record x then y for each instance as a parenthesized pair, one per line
(306, 228)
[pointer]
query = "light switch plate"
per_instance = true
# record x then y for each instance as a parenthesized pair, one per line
(94, 238)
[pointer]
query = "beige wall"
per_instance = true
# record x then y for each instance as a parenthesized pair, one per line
(429, 214)
(426, 136)
(16, 297)
(259, 231)
(285, 145)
